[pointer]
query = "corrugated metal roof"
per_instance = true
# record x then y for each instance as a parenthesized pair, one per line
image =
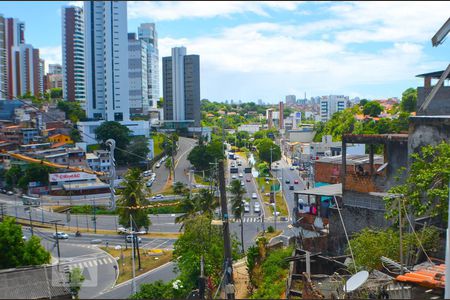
(431, 277)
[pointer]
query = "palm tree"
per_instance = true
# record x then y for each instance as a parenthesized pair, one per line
(168, 165)
(133, 194)
(203, 203)
(237, 205)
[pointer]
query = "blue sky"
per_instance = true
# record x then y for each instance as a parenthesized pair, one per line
(266, 50)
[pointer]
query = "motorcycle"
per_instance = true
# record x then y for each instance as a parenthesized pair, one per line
(77, 234)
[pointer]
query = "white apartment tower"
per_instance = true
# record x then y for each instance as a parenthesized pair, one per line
(137, 74)
(332, 104)
(147, 32)
(74, 85)
(106, 60)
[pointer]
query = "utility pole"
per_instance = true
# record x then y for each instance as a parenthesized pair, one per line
(112, 171)
(94, 218)
(229, 287)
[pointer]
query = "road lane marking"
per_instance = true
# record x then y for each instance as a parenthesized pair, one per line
(90, 263)
(85, 265)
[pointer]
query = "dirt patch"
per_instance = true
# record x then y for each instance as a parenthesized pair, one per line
(241, 279)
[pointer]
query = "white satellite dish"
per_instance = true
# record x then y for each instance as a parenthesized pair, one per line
(356, 281)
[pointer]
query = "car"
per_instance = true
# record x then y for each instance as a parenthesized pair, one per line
(9, 193)
(239, 163)
(241, 175)
(292, 168)
(3, 191)
(291, 187)
(296, 181)
(158, 165)
(242, 183)
(149, 183)
(276, 213)
(267, 194)
(248, 179)
(147, 173)
(60, 235)
(122, 230)
(256, 207)
(233, 177)
(130, 237)
(24, 238)
(96, 241)
(246, 208)
(287, 181)
(254, 196)
(159, 196)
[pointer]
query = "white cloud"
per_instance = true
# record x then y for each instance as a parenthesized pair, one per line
(174, 10)
(51, 55)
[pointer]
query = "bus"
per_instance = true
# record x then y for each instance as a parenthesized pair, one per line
(28, 200)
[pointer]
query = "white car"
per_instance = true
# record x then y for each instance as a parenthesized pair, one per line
(254, 196)
(149, 183)
(122, 230)
(233, 177)
(159, 196)
(9, 193)
(246, 208)
(242, 183)
(257, 207)
(158, 164)
(241, 175)
(60, 235)
(130, 237)
(292, 168)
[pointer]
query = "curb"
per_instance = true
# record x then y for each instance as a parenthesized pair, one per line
(142, 275)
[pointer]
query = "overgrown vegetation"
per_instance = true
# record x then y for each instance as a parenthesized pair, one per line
(369, 245)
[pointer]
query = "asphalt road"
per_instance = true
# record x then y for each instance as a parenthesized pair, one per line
(181, 166)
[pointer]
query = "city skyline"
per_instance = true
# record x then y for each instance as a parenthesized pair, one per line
(267, 50)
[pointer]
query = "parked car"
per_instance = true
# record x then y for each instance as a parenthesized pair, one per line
(287, 181)
(158, 164)
(233, 176)
(9, 193)
(159, 196)
(60, 235)
(122, 230)
(291, 187)
(130, 237)
(241, 175)
(3, 191)
(248, 179)
(292, 168)
(242, 183)
(254, 196)
(296, 181)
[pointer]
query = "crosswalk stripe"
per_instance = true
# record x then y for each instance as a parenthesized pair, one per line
(105, 261)
(94, 262)
(110, 261)
(85, 264)
(100, 262)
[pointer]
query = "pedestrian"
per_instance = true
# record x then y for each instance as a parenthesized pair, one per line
(107, 243)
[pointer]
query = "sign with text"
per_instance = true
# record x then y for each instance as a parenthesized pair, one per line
(70, 176)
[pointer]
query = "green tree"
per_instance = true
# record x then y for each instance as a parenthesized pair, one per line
(56, 93)
(179, 188)
(237, 205)
(204, 202)
(426, 188)
(73, 110)
(139, 147)
(133, 194)
(369, 245)
(13, 175)
(363, 102)
(33, 172)
(265, 152)
(200, 238)
(160, 102)
(409, 100)
(202, 155)
(15, 251)
(372, 108)
(118, 132)
(75, 135)
(168, 165)
(76, 279)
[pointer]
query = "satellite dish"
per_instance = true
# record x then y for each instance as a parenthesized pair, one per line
(356, 281)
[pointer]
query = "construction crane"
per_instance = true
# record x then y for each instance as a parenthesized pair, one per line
(50, 164)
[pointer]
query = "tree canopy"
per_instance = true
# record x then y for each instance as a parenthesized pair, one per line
(18, 177)
(73, 110)
(202, 155)
(265, 154)
(372, 108)
(426, 188)
(409, 100)
(138, 146)
(134, 193)
(118, 132)
(17, 252)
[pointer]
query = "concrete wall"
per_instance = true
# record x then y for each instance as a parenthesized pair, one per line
(428, 130)
(440, 105)
(301, 136)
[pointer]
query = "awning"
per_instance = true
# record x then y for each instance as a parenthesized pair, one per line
(326, 190)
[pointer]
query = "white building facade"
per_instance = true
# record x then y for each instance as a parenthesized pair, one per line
(332, 104)
(147, 32)
(106, 60)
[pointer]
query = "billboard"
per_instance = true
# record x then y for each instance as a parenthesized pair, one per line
(70, 176)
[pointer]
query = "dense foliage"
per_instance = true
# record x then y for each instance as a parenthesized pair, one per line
(18, 177)
(202, 155)
(409, 100)
(426, 188)
(268, 151)
(118, 132)
(73, 110)
(15, 251)
(372, 108)
(133, 194)
(369, 245)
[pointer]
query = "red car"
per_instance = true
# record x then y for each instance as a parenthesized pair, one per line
(248, 179)
(296, 181)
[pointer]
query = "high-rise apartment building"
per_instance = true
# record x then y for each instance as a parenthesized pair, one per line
(181, 87)
(26, 75)
(291, 99)
(147, 32)
(54, 69)
(73, 56)
(332, 104)
(106, 60)
(137, 75)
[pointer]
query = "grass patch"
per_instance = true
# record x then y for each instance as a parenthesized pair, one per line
(199, 180)
(89, 210)
(157, 141)
(148, 262)
(269, 235)
(280, 203)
